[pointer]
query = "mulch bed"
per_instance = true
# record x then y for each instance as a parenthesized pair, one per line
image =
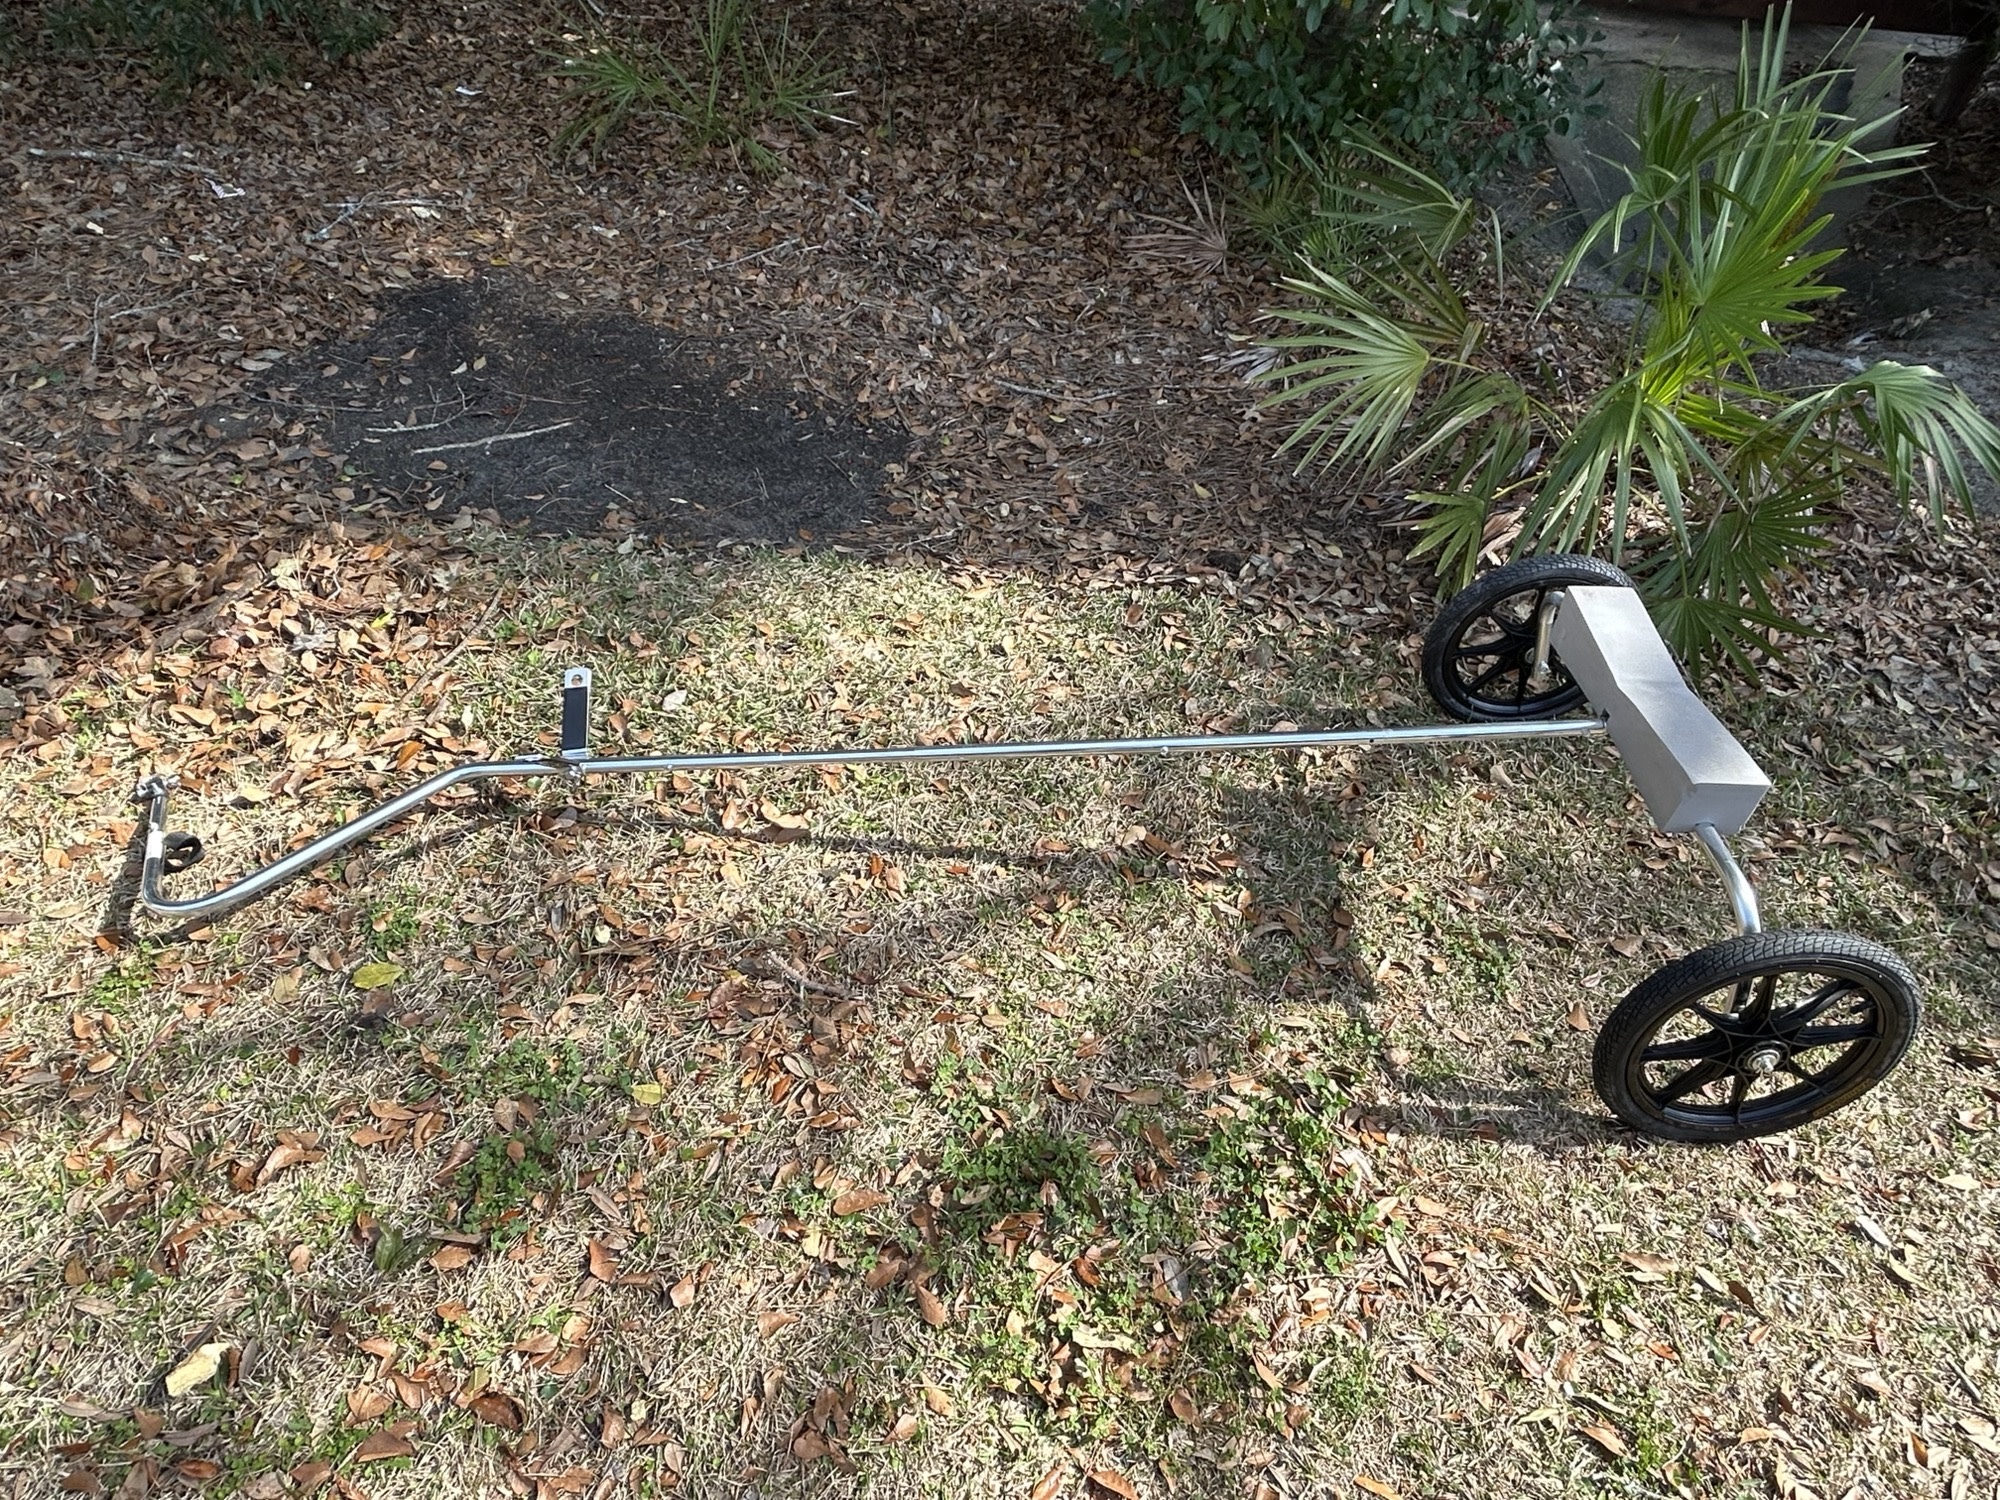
(931, 321)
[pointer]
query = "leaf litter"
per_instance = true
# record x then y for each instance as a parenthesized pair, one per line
(227, 596)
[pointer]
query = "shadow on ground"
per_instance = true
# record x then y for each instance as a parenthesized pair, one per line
(482, 393)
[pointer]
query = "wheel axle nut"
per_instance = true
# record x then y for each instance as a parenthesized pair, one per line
(1763, 1061)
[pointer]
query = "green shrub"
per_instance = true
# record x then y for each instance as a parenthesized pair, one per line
(1673, 457)
(238, 40)
(738, 75)
(1463, 86)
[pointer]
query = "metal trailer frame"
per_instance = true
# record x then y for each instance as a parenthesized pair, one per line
(169, 853)
(1566, 632)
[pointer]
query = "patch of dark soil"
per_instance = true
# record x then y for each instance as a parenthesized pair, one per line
(1922, 270)
(1931, 240)
(476, 393)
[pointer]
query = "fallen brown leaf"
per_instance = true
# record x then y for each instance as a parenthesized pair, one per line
(291, 1151)
(603, 1261)
(383, 1443)
(928, 1307)
(365, 1403)
(497, 1409)
(1605, 1438)
(808, 1446)
(1646, 1266)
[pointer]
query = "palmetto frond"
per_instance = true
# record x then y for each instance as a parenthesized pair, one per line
(1709, 486)
(1201, 239)
(1364, 373)
(1918, 429)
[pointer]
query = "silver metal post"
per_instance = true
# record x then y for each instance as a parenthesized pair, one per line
(154, 790)
(1742, 894)
(1545, 620)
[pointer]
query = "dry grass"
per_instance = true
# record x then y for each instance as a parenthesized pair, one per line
(709, 1025)
(1302, 1047)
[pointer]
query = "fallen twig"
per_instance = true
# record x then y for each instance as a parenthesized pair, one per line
(350, 207)
(87, 153)
(436, 673)
(774, 967)
(1029, 390)
(498, 437)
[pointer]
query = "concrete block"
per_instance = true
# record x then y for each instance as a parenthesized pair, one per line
(1686, 765)
(1702, 53)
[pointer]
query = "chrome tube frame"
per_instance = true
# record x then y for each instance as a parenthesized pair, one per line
(1545, 622)
(1742, 894)
(154, 790)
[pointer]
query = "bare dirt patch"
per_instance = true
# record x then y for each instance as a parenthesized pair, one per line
(482, 393)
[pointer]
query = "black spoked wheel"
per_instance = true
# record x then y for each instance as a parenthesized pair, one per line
(1479, 656)
(1756, 1034)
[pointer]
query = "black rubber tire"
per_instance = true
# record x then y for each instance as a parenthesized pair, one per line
(1498, 611)
(1876, 997)
(180, 851)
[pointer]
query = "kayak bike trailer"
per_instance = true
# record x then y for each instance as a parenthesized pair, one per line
(1758, 1033)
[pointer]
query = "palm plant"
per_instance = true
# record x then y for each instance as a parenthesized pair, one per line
(1682, 464)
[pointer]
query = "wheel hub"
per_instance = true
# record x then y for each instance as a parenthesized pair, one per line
(1760, 1062)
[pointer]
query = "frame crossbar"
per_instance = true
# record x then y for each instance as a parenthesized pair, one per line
(154, 791)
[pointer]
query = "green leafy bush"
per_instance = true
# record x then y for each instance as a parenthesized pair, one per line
(1465, 86)
(1672, 455)
(238, 40)
(739, 74)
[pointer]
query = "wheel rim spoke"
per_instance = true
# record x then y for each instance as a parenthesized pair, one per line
(1795, 1020)
(1739, 1090)
(1834, 1036)
(1739, 1002)
(1757, 1015)
(1499, 667)
(1698, 1077)
(1693, 1049)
